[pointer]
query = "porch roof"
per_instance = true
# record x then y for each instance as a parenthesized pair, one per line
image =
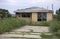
(34, 9)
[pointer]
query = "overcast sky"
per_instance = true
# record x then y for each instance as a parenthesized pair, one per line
(13, 5)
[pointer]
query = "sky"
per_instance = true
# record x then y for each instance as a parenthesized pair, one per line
(13, 5)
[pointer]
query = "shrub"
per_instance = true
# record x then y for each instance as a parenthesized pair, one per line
(55, 27)
(10, 23)
(42, 23)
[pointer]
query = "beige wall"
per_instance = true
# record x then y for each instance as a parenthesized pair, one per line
(28, 19)
(34, 17)
(17, 16)
(49, 17)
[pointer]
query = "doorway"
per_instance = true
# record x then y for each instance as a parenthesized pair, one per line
(42, 16)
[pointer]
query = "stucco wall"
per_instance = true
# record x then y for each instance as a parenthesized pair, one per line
(27, 19)
(17, 16)
(49, 17)
(34, 17)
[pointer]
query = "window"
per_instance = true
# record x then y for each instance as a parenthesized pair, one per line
(18, 14)
(26, 14)
(42, 16)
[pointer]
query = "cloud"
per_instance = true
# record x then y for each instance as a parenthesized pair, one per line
(11, 1)
(16, 4)
(27, 2)
(8, 2)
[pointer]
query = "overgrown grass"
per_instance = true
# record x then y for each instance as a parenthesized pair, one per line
(55, 28)
(8, 24)
(48, 36)
(41, 23)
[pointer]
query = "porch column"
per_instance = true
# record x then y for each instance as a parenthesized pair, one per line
(34, 17)
(49, 17)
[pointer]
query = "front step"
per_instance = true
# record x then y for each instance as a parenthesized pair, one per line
(20, 36)
(24, 34)
(30, 33)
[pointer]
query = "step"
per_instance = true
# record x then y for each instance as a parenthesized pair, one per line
(20, 36)
(30, 33)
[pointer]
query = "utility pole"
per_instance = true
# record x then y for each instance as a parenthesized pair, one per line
(52, 7)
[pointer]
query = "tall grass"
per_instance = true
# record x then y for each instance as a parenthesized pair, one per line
(8, 24)
(41, 23)
(55, 28)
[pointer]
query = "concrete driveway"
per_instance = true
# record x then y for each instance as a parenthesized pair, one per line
(26, 29)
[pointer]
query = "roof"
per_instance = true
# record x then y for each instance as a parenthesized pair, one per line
(33, 9)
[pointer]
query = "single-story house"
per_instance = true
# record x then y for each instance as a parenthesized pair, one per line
(34, 14)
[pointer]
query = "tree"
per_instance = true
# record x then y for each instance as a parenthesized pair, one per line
(4, 13)
(58, 14)
(9, 15)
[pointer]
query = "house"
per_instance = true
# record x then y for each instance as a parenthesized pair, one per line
(34, 14)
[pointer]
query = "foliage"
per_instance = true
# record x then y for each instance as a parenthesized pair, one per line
(42, 23)
(8, 24)
(55, 27)
(4, 13)
(46, 35)
(58, 14)
(9, 15)
(54, 17)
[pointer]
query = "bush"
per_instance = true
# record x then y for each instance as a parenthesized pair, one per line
(8, 24)
(42, 23)
(55, 27)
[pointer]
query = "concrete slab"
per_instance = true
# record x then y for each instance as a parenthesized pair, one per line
(34, 28)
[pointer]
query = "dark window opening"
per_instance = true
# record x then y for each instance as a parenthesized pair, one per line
(42, 16)
(39, 19)
(26, 15)
(19, 15)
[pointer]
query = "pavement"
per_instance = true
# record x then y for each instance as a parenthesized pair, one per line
(34, 28)
(21, 33)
